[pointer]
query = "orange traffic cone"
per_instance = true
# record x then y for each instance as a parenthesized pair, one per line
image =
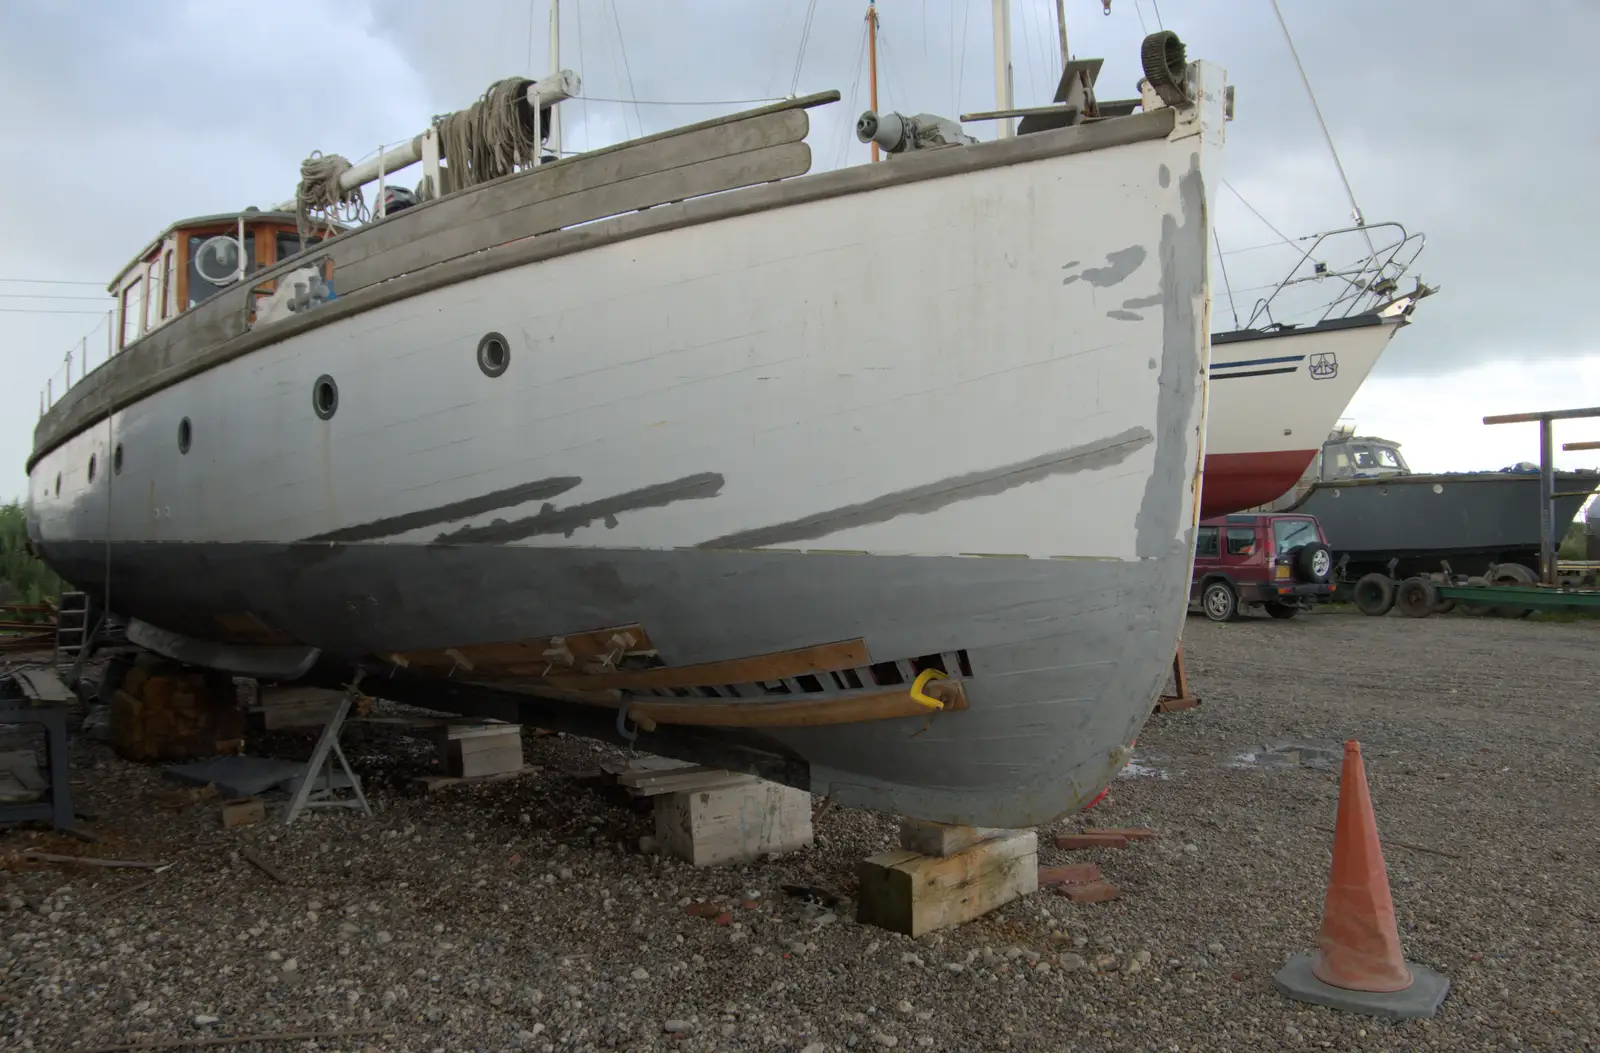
(1359, 946)
(1358, 964)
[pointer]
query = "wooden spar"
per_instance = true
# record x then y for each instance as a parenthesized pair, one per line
(1061, 27)
(1002, 65)
(872, 62)
(555, 63)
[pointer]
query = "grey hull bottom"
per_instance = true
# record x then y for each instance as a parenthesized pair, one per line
(1066, 656)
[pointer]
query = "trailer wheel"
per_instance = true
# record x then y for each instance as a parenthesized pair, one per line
(1416, 597)
(1374, 594)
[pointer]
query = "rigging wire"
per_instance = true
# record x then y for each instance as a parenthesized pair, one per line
(583, 104)
(627, 68)
(1222, 264)
(961, 75)
(1155, 4)
(1286, 239)
(776, 79)
(805, 41)
(1355, 209)
(846, 126)
(1144, 29)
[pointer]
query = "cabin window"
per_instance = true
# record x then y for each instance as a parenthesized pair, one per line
(132, 302)
(200, 289)
(1206, 544)
(290, 245)
(156, 292)
(1241, 541)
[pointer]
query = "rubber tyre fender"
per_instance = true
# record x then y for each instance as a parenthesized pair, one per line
(1219, 601)
(1416, 597)
(1166, 64)
(1305, 563)
(1374, 594)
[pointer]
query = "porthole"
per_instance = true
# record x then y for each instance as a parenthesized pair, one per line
(116, 460)
(91, 467)
(58, 484)
(325, 397)
(185, 435)
(494, 354)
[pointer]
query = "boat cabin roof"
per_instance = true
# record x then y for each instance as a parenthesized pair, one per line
(194, 259)
(220, 219)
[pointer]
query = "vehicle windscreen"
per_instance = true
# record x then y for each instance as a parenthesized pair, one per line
(1290, 534)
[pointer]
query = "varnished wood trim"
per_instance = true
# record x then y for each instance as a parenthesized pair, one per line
(800, 712)
(824, 658)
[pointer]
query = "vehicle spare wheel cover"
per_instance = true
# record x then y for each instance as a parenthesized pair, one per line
(1321, 562)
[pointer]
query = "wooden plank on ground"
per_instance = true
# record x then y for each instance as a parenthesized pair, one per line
(43, 685)
(911, 893)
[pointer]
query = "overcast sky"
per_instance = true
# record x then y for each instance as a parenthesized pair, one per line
(1464, 119)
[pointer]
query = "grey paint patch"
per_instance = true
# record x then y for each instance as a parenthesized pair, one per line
(1153, 300)
(1119, 266)
(1183, 261)
(1164, 176)
(1125, 316)
(539, 489)
(920, 500)
(1066, 655)
(567, 521)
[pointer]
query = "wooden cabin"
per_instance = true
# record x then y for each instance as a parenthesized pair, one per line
(193, 260)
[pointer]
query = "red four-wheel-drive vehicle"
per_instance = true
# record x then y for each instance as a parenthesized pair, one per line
(1280, 561)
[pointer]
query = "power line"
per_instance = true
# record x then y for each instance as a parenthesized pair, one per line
(50, 281)
(674, 102)
(49, 296)
(43, 310)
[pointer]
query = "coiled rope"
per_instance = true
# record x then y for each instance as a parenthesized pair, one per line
(320, 198)
(487, 140)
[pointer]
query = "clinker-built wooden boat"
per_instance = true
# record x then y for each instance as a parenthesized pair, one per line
(878, 481)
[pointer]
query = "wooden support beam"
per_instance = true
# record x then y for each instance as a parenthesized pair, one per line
(911, 893)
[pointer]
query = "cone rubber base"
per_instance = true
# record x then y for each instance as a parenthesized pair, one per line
(1421, 999)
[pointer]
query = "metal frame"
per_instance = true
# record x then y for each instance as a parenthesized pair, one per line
(1548, 545)
(1367, 286)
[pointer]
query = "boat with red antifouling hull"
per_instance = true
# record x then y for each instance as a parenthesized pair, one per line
(673, 442)
(1279, 386)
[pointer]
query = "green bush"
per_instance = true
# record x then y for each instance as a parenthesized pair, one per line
(30, 581)
(1574, 545)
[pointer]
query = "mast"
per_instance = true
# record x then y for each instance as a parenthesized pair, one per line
(872, 61)
(1002, 65)
(1061, 27)
(555, 65)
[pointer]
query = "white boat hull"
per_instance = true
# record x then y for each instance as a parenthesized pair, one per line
(882, 416)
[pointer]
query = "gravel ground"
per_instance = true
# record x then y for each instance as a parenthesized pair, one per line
(520, 915)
